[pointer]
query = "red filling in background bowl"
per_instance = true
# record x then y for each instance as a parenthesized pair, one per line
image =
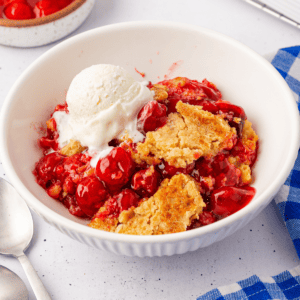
(30, 9)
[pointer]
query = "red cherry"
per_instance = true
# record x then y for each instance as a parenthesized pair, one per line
(152, 116)
(63, 3)
(207, 105)
(116, 168)
(230, 178)
(69, 186)
(168, 171)
(233, 111)
(72, 206)
(122, 201)
(62, 107)
(210, 90)
(72, 163)
(220, 164)
(245, 153)
(44, 8)
(126, 199)
(202, 168)
(145, 182)
(228, 200)
(7, 2)
(45, 168)
(90, 195)
(47, 143)
(206, 218)
(18, 11)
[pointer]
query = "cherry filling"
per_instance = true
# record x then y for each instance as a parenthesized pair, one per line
(62, 107)
(167, 171)
(228, 200)
(152, 116)
(146, 182)
(232, 114)
(90, 195)
(189, 91)
(118, 183)
(116, 204)
(116, 168)
(46, 167)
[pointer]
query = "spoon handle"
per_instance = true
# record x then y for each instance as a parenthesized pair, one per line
(35, 282)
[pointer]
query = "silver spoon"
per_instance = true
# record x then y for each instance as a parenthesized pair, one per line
(11, 286)
(16, 230)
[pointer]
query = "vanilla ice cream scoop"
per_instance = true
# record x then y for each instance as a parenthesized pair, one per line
(103, 102)
(99, 87)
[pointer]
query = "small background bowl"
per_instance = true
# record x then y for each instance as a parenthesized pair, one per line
(45, 30)
(161, 50)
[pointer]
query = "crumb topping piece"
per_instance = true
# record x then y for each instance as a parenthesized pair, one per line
(188, 135)
(160, 92)
(171, 209)
(107, 224)
(249, 137)
(72, 148)
(249, 142)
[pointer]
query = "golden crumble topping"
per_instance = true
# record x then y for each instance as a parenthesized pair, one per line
(160, 92)
(72, 148)
(249, 137)
(139, 157)
(188, 135)
(249, 140)
(107, 224)
(171, 209)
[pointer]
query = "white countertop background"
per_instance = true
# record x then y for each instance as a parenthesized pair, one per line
(73, 271)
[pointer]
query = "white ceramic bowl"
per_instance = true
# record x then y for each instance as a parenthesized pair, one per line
(243, 76)
(45, 30)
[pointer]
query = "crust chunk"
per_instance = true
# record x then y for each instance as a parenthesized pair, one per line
(72, 148)
(188, 135)
(107, 224)
(160, 92)
(249, 140)
(171, 209)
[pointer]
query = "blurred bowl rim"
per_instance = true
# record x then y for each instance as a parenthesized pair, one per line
(43, 20)
(54, 217)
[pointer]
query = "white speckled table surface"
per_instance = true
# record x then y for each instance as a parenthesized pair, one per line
(71, 270)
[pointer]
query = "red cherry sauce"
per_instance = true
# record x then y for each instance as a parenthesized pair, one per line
(115, 169)
(90, 195)
(151, 117)
(146, 182)
(189, 91)
(59, 176)
(124, 200)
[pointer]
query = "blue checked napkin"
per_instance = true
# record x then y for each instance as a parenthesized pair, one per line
(286, 285)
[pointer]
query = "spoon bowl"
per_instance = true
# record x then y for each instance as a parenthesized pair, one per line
(11, 285)
(16, 231)
(15, 221)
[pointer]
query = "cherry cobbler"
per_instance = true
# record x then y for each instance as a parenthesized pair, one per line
(193, 168)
